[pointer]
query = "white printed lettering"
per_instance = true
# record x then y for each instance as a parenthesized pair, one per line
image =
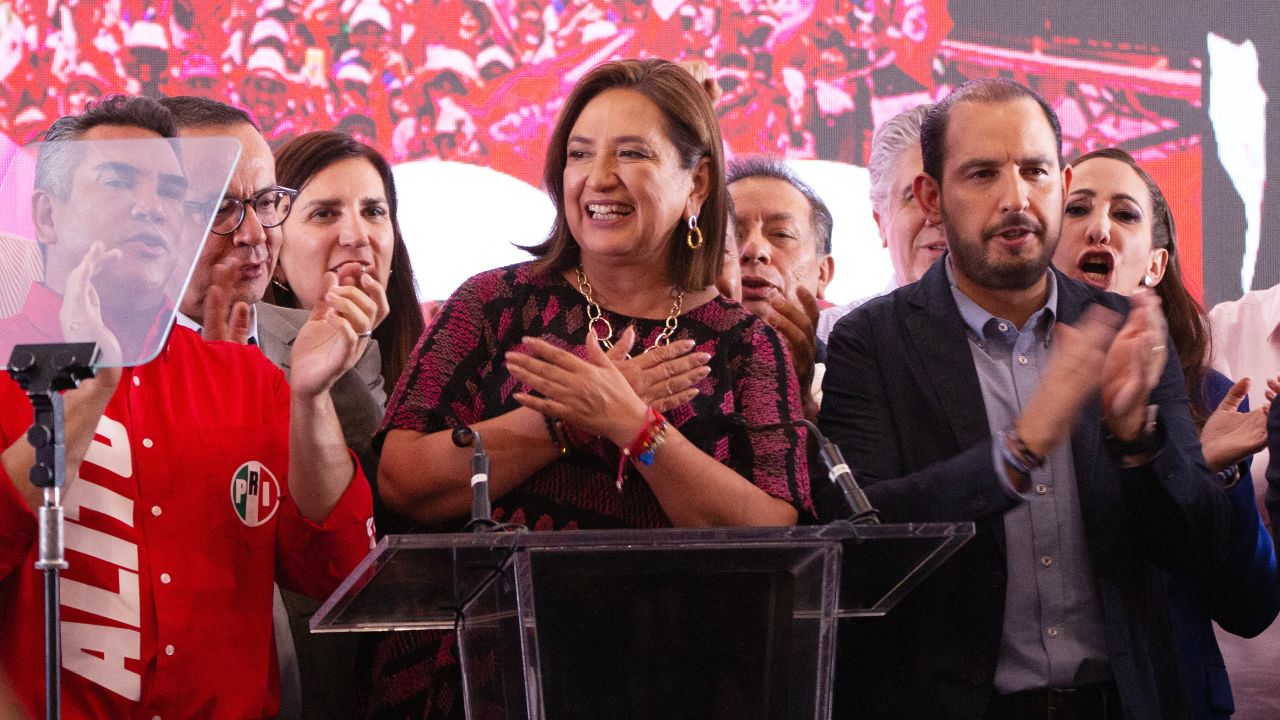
(115, 454)
(81, 646)
(122, 606)
(101, 545)
(85, 494)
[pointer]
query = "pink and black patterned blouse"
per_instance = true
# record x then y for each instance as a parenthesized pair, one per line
(457, 375)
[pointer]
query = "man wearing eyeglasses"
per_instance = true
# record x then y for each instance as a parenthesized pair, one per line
(224, 302)
(242, 245)
(224, 299)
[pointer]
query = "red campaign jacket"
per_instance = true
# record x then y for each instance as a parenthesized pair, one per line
(179, 522)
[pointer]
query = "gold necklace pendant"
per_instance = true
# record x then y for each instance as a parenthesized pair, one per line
(596, 319)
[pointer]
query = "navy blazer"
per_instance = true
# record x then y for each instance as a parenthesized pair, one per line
(1241, 593)
(902, 399)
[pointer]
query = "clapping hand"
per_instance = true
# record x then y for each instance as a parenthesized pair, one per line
(1230, 436)
(797, 322)
(1070, 378)
(1273, 387)
(224, 320)
(353, 275)
(1133, 366)
(81, 313)
(701, 73)
(1273, 423)
(335, 336)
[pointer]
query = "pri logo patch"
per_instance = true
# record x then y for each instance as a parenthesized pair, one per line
(255, 494)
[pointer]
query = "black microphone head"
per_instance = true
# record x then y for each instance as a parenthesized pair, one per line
(462, 436)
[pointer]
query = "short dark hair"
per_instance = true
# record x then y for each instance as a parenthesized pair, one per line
(692, 127)
(773, 168)
(933, 132)
(300, 160)
(190, 111)
(56, 161)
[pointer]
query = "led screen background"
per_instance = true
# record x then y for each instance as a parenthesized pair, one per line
(461, 94)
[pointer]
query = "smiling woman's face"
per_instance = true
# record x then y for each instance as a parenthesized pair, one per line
(341, 221)
(624, 187)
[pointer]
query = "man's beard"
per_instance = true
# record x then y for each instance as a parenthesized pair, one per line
(1018, 273)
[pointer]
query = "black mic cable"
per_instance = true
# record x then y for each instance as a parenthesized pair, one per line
(837, 469)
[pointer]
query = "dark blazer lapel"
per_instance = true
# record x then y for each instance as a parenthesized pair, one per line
(942, 355)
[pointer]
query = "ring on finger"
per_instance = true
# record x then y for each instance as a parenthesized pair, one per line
(365, 334)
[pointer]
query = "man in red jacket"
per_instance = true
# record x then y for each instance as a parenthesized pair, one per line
(193, 481)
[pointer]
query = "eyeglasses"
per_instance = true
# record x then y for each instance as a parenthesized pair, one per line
(271, 205)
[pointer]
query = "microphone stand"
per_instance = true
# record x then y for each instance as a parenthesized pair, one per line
(44, 371)
(481, 510)
(838, 470)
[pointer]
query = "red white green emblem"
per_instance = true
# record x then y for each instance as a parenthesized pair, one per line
(255, 493)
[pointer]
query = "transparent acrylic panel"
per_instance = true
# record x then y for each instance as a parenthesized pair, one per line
(416, 582)
(883, 563)
(492, 653)
(642, 623)
(107, 233)
(705, 630)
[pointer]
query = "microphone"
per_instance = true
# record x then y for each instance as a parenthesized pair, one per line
(837, 469)
(481, 510)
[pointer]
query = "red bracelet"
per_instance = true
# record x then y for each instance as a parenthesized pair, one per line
(650, 438)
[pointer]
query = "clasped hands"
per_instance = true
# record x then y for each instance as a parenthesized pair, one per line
(606, 394)
(337, 333)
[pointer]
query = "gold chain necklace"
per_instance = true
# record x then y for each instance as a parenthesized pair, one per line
(594, 316)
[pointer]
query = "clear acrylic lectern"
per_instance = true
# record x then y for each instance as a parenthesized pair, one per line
(718, 623)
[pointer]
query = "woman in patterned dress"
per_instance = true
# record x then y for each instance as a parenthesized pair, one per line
(535, 358)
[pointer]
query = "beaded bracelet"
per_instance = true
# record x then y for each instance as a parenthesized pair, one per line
(650, 438)
(1014, 453)
(1228, 477)
(1019, 448)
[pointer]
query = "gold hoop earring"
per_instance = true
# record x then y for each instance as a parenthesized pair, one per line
(694, 232)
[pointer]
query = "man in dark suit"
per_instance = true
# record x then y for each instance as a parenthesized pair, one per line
(991, 391)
